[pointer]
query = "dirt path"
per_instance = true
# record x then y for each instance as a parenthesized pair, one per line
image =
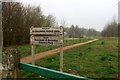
(54, 51)
(71, 39)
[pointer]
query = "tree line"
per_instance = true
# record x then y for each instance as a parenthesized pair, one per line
(110, 29)
(75, 31)
(17, 20)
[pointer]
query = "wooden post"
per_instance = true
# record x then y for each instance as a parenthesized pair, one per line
(61, 51)
(61, 58)
(32, 47)
(33, 54)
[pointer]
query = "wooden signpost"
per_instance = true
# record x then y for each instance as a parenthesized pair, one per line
(47, 36)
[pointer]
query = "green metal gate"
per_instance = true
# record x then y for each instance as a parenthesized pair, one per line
(48, 72)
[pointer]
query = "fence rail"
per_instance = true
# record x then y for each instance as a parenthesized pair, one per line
(48, 72)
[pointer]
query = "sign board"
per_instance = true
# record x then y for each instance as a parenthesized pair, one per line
(46, 35)
(43, 40)
(45, 31)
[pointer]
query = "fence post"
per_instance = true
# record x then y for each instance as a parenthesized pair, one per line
(10, 63)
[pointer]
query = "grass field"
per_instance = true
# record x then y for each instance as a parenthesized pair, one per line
(25, 50)
(95, 60)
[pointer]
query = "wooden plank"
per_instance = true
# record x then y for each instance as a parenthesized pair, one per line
(48, 72)
(45, 28)
(45, 31)
(38, 40)
(46, 38)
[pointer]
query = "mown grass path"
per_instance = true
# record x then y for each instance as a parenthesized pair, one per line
(54, 51)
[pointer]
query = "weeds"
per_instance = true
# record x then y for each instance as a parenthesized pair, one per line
(102, 43)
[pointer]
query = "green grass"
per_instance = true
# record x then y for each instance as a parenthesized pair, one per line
(94, 60)
(25, 50)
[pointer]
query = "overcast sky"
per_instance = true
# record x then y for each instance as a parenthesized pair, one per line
(85, 13)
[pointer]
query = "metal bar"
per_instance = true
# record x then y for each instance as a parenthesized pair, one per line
(48, 72)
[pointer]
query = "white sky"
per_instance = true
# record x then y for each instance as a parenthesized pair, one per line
(85, 13)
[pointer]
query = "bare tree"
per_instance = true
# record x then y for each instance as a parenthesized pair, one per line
(111, 29)
(17, 20)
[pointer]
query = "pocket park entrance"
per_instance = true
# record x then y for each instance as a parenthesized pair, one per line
(47, 36)
(39, 36)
